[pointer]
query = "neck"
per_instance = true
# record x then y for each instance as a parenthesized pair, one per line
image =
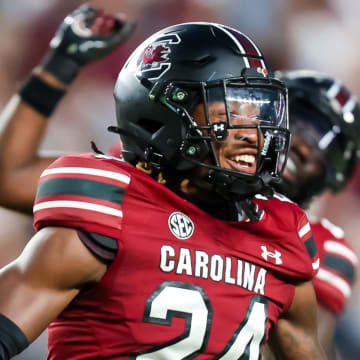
(202, 195)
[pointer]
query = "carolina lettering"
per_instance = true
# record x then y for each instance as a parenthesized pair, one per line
(214, 267)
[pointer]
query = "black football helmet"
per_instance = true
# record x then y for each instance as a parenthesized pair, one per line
(327, 116)
(189, 64)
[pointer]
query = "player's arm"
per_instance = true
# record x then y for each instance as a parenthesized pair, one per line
(326, 331)
(24, 120)
(327, 322)
(22, 130)
(35, 288)
(295, 335)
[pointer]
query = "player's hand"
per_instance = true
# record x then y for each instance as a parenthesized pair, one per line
(86, 35)
(89, 34)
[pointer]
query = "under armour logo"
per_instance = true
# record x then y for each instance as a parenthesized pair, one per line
(268, 254)
(220, 130)
(219, 127)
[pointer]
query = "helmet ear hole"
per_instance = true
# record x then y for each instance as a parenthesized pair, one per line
(150, 125)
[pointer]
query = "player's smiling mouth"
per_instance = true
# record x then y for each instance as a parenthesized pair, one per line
(245, 162)
(290, 171)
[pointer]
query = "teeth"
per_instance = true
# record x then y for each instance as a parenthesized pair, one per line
(291, 165)
(245, 158)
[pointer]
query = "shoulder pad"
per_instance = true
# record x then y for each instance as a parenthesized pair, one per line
(307, 238)
(336, 231)
(82, 191)
(286, 217)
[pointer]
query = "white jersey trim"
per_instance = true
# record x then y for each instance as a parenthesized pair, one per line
(304, 230)
(340, 249)
(87, 171)
(337, 231)
(334, 281)
(316, 264)
(77, 205)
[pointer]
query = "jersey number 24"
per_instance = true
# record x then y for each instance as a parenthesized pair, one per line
(188, 301)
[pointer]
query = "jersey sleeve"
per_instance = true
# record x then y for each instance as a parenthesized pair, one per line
(335, 279)
(82, 192)
(306, 236)
(291, 239)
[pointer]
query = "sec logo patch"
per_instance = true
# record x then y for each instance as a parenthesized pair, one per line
(181, 225)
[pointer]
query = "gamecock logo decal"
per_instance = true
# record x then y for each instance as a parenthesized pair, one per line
(156, 59)
(155, 54)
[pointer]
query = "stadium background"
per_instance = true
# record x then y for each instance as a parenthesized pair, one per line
(314, 34)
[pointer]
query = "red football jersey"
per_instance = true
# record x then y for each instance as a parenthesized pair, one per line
(183, 284)
(333, 283)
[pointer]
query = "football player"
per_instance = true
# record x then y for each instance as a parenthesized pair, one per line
(325, 128)
(182, 250)
(86, 35)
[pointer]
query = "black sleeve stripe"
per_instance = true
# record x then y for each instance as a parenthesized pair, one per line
(342, 266)
(311, 247)
(81, 187)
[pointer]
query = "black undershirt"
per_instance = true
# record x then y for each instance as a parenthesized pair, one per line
(103, 247)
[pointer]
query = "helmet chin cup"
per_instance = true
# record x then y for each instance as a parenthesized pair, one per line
(237, 187)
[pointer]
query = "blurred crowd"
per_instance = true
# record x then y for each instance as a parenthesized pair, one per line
(313, 34)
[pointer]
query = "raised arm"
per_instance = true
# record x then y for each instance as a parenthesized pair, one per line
(84, 36)
(22, 130)
(36, 287)
(295, 337)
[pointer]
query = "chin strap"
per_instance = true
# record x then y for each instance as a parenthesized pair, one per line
(242, 191)
(238, 187)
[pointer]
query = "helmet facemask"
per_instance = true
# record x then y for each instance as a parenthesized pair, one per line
(249, 112)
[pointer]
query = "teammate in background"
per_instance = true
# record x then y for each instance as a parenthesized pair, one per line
(205, 269)
(85, 36)
(325, 128)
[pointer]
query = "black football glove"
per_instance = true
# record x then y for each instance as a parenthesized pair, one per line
(86, 35)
